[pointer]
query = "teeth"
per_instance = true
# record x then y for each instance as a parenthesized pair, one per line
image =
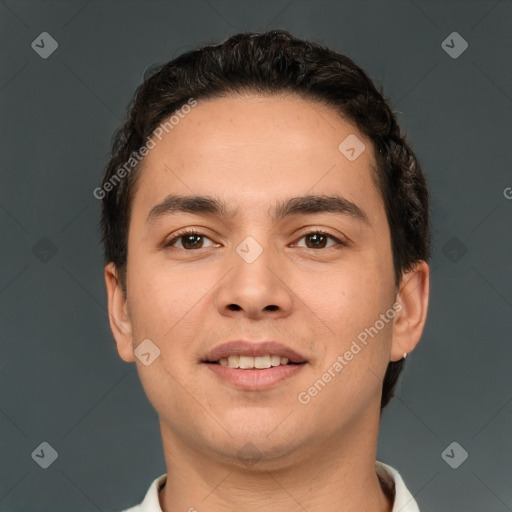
(249, 363)
(233, 361)
(262, 362)
(246, 362)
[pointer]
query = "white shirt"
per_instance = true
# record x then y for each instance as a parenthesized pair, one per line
(404, 502)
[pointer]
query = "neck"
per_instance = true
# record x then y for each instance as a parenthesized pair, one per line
(329, 477)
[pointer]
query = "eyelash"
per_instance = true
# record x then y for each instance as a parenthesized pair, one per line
(187, 232)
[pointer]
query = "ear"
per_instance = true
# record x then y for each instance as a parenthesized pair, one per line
(120, 323)
(411, 306)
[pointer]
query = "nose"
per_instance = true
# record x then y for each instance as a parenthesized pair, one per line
(255, 288)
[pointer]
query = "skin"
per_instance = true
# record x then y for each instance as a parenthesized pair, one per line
(252, 151)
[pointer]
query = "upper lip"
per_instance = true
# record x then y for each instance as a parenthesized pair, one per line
(254, 349)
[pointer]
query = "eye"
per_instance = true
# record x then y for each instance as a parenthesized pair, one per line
(319, 238)
(190, 240)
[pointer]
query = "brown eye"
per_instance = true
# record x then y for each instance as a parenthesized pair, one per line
(189, 240)
(319, 239)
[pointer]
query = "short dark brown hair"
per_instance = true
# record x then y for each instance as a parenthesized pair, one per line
(271, 63)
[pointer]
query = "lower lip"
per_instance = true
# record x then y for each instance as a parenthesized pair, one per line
(257, 379)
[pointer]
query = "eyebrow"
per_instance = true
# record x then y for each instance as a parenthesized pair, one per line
(207, 205)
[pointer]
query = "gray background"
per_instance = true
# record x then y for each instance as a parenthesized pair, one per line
(62, 381)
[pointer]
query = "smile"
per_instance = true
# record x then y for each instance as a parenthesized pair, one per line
(253, 365)
(250, 363)
(251, 378)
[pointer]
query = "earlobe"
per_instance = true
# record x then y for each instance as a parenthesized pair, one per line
(412, 304)
(120, 323)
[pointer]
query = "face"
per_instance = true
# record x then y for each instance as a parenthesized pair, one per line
(312, 279)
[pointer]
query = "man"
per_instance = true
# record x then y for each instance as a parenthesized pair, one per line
(266, 232)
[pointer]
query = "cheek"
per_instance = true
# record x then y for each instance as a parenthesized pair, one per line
(350, 303)
(348, 299)
(166, 301)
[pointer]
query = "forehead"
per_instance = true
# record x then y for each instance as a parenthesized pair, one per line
(250, 148)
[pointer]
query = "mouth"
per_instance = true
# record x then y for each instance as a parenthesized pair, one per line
(248, 355)
(254, 363)
(253, 366)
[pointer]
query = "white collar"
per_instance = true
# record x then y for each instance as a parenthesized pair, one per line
(404, 501)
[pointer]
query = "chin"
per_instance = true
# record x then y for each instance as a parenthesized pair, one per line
(258, 423)
(267, 442)
(259, 454)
